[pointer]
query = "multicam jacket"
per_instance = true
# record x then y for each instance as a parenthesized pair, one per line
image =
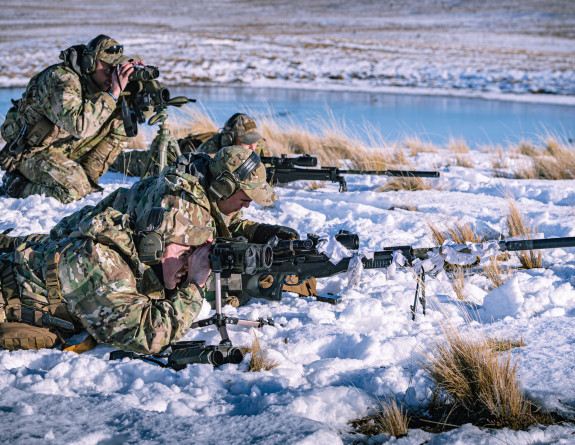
(83, 116)
(166, 188)
(106, 289)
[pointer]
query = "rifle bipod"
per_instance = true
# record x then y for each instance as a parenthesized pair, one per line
(220, 320)
(420, 282)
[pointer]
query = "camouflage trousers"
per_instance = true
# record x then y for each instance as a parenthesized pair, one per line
(49, 172)
(134, 162)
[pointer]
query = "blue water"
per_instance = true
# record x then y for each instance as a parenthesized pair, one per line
(395, 116)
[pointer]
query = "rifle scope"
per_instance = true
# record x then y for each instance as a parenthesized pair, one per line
(239, 257)
(305, 161)
(348, 240)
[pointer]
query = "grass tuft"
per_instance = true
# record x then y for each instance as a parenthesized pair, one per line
(496, 272)
(457, 232)
(259, 360)
(416, 145)
(457, 146)
(458, 281)
(390, 419)
(518, 227)
(554, 161)
(481, 386)
(409, 184)
(504, 344)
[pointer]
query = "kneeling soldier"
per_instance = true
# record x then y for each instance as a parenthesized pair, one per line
(66, 130)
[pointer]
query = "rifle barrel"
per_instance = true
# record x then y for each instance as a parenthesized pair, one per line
(400, 173)
(534, 244)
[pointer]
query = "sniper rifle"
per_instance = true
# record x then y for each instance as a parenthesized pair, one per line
(301, 260)
(282, 170)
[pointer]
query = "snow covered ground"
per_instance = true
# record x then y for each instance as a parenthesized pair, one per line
(334, 360)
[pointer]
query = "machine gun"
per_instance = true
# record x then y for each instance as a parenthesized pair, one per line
(145, 96)
(301, 259)
(282, 170)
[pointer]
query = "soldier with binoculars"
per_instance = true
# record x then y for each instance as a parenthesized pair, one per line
(66, 130)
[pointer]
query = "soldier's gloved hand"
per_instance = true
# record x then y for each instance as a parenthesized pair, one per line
(264, 232)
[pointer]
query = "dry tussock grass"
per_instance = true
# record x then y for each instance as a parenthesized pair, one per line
(457, 146)
(556, 160)
(314, 185)
(463, 161)
(460, 233)
(409, 184)
(498, 161)
(391, 419)
(332, 144)
(480, 385)
(192, 120)
(259, 360)
(416, 145)
(458, 281)
(496, 272)
(504, 344)
(518, 227)
(528, 149)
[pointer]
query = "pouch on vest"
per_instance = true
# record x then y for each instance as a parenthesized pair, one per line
(26, 143)
(14, 336)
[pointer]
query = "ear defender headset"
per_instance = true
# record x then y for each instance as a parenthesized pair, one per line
(226, 184)
(89, 57)
(228, 135)
(151, 244)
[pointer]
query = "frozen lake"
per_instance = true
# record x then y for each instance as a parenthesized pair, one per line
(395, 116)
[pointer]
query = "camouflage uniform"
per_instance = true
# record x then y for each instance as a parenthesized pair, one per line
(105, 287)
(133, 163)
(85, 132)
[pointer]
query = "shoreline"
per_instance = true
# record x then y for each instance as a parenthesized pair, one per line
(546, 99)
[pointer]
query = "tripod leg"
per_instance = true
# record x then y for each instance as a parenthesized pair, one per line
(220, 319)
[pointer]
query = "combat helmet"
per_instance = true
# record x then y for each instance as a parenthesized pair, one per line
(238, 168)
